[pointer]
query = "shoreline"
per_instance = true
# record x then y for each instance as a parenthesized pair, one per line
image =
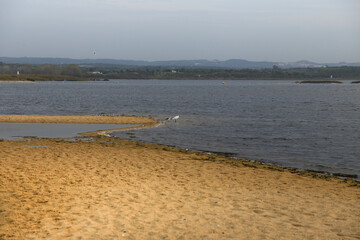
(114, 188)
(144, 122)
(321, 173)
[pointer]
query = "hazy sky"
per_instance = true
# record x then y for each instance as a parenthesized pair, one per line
(271, 30)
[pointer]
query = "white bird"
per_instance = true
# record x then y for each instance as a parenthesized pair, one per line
(175, 118)
(172, 118)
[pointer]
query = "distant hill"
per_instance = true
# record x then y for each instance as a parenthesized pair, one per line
(227, 64)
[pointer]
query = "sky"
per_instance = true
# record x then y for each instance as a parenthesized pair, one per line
(258, 30)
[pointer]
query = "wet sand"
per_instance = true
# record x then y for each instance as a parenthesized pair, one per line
(119, 189)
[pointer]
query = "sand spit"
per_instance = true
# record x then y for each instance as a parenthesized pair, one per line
(119, 189)
(76, 119)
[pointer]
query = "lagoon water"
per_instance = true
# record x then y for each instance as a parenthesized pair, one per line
(296, 125)
(14, 131)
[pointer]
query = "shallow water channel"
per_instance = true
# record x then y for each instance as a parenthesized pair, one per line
(14, 131)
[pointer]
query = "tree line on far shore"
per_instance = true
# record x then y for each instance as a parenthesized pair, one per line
(104, 71)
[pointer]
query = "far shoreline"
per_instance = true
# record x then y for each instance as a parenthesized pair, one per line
(297, 81)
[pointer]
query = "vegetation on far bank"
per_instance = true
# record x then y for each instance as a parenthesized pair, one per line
(73, 72)
(39, 77)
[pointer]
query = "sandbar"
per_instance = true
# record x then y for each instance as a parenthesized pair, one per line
(118, 189)
(76, 119)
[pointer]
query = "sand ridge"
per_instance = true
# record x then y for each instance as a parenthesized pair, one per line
(76, 119)
(119, 189)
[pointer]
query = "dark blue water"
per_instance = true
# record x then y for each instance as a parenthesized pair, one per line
(297, 125)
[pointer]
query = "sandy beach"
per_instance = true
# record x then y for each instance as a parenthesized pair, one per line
(118, 189)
